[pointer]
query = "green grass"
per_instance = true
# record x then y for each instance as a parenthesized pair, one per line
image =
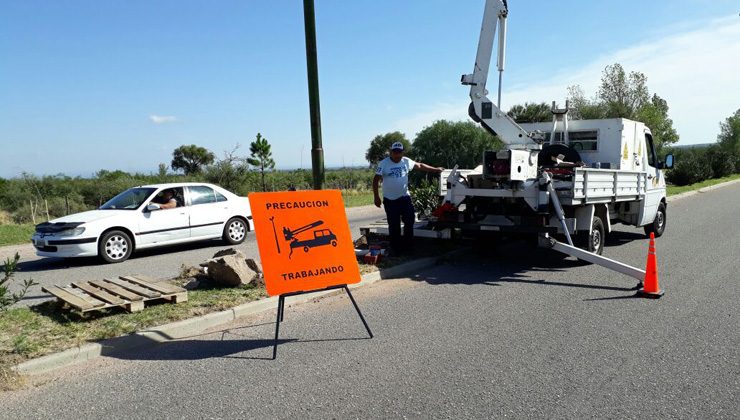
(15, 234)
(673, 189)
(27, 333)
(354, 198)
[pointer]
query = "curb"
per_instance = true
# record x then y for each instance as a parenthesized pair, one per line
(701, 190)
(193, 326)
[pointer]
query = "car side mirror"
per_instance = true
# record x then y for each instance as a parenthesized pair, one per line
(152, 207)
(668, 161)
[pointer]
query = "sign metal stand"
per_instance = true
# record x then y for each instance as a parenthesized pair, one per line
(281, 311)
(310, 249)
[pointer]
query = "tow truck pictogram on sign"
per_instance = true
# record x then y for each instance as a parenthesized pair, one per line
(321, 237)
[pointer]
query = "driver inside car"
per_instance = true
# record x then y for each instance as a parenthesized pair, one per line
(165, 199)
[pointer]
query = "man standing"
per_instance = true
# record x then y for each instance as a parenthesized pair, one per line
(393, 171)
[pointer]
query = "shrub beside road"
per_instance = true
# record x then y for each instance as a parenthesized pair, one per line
(676, 189)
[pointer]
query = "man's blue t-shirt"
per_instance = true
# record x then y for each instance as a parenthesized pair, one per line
(395, 177)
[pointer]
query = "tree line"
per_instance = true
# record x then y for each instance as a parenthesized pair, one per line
(29, 198)
(620, 95)
(623, 95)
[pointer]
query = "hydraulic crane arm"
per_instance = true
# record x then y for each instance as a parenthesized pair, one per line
(482, 110)
(290, 234)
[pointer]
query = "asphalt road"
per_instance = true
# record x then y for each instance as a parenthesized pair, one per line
(506, 332)
(163, 262)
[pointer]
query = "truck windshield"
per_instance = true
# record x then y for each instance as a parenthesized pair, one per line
(128, 200)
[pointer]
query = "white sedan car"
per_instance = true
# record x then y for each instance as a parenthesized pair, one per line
(145, 217)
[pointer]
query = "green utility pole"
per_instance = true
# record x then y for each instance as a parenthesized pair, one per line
(317, 152)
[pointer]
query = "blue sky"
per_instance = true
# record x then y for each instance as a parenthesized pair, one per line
(87, 85)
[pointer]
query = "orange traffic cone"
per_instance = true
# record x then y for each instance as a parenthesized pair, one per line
(650, 288)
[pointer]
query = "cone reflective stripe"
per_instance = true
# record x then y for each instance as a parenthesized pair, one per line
(650, 286)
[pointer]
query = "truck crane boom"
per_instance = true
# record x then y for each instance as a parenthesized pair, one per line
(290, 234)
(481, 109)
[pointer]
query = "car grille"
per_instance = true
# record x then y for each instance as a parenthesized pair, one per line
(46, 248)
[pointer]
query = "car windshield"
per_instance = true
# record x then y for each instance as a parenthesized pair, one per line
(129, 199)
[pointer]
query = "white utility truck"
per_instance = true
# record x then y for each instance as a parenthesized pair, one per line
(567, 178)
(574, 178)
(602, 172)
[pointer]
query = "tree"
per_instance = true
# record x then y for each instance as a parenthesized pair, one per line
(162, 170)
(379, 146)
(261, 157)
(655, 115)
(191, 159)
(530, 113)
(624, 95)
(729, 137)
(231, 172)
(447, 144)
(582, 108)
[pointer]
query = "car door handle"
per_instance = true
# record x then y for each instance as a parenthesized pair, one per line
(650, 177)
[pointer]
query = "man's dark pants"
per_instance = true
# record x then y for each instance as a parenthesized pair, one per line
(397, 210)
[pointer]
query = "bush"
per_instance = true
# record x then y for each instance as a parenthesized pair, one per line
(692, 166)
(425, 197)
(721, 161)
(9, 269)
(65, 195)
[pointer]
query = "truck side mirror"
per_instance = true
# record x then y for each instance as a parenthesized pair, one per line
(152, 207)
(668, 161)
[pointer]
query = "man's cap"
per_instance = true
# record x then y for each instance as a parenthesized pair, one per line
(397, 146)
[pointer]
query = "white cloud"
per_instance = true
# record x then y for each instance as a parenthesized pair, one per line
(695, 70)
(162, 119)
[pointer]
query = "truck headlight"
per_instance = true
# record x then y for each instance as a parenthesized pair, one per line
(72, 232)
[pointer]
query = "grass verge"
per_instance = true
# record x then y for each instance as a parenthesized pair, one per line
(354, 198)
(15, 234)
(31, 332)
(26, 333)
(673, 189)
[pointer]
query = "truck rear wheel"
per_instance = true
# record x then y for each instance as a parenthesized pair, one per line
(595, 241)
(658, 225)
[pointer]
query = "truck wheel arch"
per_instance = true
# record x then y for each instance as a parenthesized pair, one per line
(585, 217)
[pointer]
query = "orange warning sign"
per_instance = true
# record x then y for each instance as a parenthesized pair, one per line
(304, 240)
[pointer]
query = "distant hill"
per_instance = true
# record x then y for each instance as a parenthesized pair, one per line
(691, 146)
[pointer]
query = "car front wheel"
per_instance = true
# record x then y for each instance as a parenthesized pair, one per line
(115, 246)
(235, 231)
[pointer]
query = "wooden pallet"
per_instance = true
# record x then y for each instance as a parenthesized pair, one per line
(128, 292)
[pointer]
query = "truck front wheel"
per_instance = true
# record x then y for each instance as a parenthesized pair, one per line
(658, 225)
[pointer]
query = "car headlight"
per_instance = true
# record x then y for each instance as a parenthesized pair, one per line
(71, 232)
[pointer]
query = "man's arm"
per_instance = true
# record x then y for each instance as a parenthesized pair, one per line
(426, 168)
(169, 205)
(376, 181)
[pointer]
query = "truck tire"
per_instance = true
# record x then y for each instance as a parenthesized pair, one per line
(115, 246)
(658, 225)
(595, 241)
